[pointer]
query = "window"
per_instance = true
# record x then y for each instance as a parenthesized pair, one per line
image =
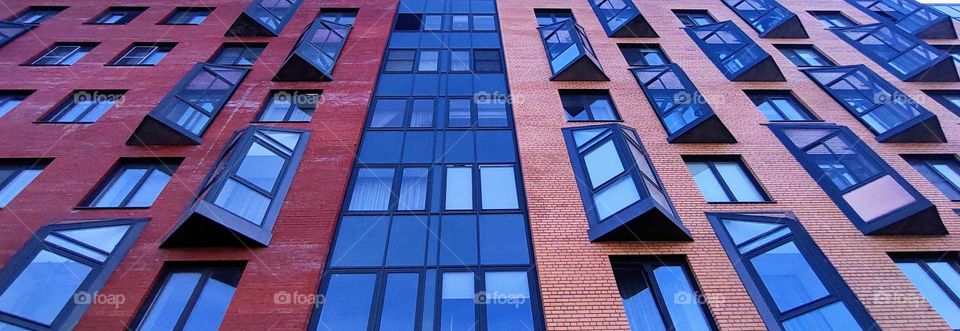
(10, 31)
(63, 54)
(398, 113)
(238, 54)
(400, 60)
(37, 14)
(805, 56)
(905, 56)
(769, 18)
(188, 16)
(953, 50)
(949, 99)
(487, 60)
(941, 170)
(643, 54)
(342, 16)
(909, 16)
(49, 283)
(779, 105)
(735, 53)
(15, 175)
(833, 19)
(142, 54)
(318, 47)
(865, 188)
(408, 22)
(83, 107)
(133, 183)
(658, 293)
(724, 179)
(588, 105)
(289, 106)
(570, 54)
(264, 18)
(622, 18)
(429, 61)
(484, 23)
(938, 279)
(190, 297)
(951, 10)
(11, 99)
(550, 16)
(683, 111)
(792, 283)
(694, 18)
(118, 15)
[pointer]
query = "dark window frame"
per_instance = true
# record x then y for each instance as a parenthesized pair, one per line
(271, 95)
(633, 24)
(792, 49)
(245, 48)
(584, 96)
(904, 46)
(943, 98)
(646, 264)
(688, 132)
(821, 16)
(181, 11)
(51, 11)
(295, 65)
(165, 165)
(23, 164)
(206, 269)
(761, 96)
(130, 13)
(684, 15)
(754, 63)
(711, 159)
(85, 47)
(906, 19)
(923, 260)
(917, 160)
(53, 116)
(625, 47)
(786, 26)
(18, 96)
(554, 14)
(165, 47)
(256, 19)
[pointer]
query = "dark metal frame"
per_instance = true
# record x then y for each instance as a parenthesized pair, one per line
(584, 95)
(249, 23)
(205, 269)
(585, 49)
(761, 68)
(289, 112)
(165, 165)
(940, 69)
(635, 26)
(940, 27)
(296, 62)
(710, 161)
(53, 116)
(646, 264)
(792, 48)
(166, 19)
(760, 96)
(168, 46)
(130, 13)
(787, 26)
(692, 132)
(925, 159)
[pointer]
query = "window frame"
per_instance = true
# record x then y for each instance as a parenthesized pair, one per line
(742, 50)
(625, 47)
(927, 30)
(759, 97)
(687, 13)
(18, 96)
(788, 21)
(181, 11)
(165, 165)
(635, 25)
(23, 164)
(165, 47)
(923, 260)
(926, 160)
(710, 161)
(792, 49)
(943, 98)
(245, 49)
(821, 16)
(880, 32)
(77, 47)
(689, 132)
(646, 264)
(50, 12)
(130, 13)
(271, 96)
(206, 270)
(584, 95)
(56, 113)
(322, 71)
(263, 17)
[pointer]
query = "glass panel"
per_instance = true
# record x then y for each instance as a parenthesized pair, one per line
(638, 300)
(459, 113)
(742, 231)
(788, 277)
(459, 194)
(17, 184)
(680, 298)
(878, 198)
(707, 181)
(55, 276)
(211, 306)
(261, 167)
(503, 239)
(166, 308)
(400, 302)
(243, 201)
(509, 306)
(603, 163)
(388, 114)
(948, 274)
(616, 197)
(934, 294)
(457, 302)
(413, 189)
(360, 241)
(150, 190)
(120, 188)
(458, 240)
(739, 182)
(104, 238)
(834, 317)
(498, 187)
(76, 248)
(408, 240)
(422, 114)
(347, 302)
(372, 189)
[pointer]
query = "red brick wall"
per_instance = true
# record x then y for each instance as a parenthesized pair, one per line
(578, 287)
(85, 152)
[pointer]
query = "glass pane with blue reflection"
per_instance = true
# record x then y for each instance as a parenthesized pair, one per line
(347, 302)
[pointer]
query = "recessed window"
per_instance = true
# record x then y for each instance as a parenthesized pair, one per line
(342, 16)
(64, 54)
(588, 105)
(460, 22)
(238, 54)
(938, 280)
(16, 174)
(83, 107)
(805, 56)
(133, 183)
(432, 22)
(144, 54)
(193, 297)
(643, 54)
(408, 22)
(11, 99)
(724, 179)
(779, 106)
(119, 15)
(833, 19)
(551, 16)
(694, 18)
(949, 99)
(484, 23)
(941, 170)
(289, 106)
(188, 16)
(37, 14)
(487, 60)
(668, 307)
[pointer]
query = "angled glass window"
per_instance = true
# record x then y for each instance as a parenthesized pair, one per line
(909, 16)
(724, 179)
(655, 291)
(10, 99)
(769, 18)
(316, 53)
(588, 105)
(621, 18)
(735, 53)
(238, 54)
(189, 297)
(805, 56)
(83, 107)
(118, 15)
(188, 16)
(952, 10)
(903, 55)
(242, 195)
(694, 18)
(622, 195)
(949, 99)
(885, 110)
(873, 196)
(133, 183)
(50, 282)
(185, 113)
(10, 31)
(941, 170)
(550, 16)
(144, 54)
(938, 280)
(791, 282)
(779, 105)
(63, 54)
(37, 14)
(643, 54)
(952, 50)
(833, 19)
(289, 106)
(16, 174)
(682, 110)
(264, 18)
(570, 54)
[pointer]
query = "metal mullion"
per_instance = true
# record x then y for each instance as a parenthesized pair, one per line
(762, 236)
(76, 257)
(87, 110)
(192, 302)
(722, 181)
(64, 58)
(136, 187)
(774, 244)
(812, 306)
(153, 50)
(74, 241)
(270, 142)
(929, 164)
(657, 295)
(19, 170)
(940, 282)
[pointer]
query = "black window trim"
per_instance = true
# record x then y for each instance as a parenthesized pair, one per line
(177, 10)
(141, 9)
(206, 269)
(51, 116)
(711, 159)
(647, 263)
(167, 165)
(756, 93)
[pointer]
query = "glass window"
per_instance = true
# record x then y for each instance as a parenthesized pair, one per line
(342, 16)
(692, 18)
(432, 22)
(15, 175)
(941, 170)
(188, 16)
(655, 292)
(459, 188)
(289, 106)
(460, 60)
(939, 282)
(779, 106)
(949, 99)
(953, 50)
(238, 54)
(429, 61)
(588, 105)
(509, 305)
(84, 107)
(64, 54)
(457, 301)
(643, 54)
(134, 183)
(119, 15)
(37, 14)
(400, 302)
(951, 10)
(503, 239)
(460, 22)
(498, 187)
(459, 113)
(195, 297)
(400, 60)
(372, 189)
(408, 22)
(144, 54)
(11, 99)
(348, 301)
(484, 23)
(551, 16)
(487, 60)
(805, 56)
(725, 181)
(413, 189)
(833, 19)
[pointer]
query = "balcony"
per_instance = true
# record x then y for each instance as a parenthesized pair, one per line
(734, 53)
(903, 55)
(10, 31)
(184, 114)
(769, 18)
(910, 16)
(873, 196)
(315, 54)
(621, 18)
(891, 115)
(682, 110)
(569, 52)
(264, 18)
(622, 195)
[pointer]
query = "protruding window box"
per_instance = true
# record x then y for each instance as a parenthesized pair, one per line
(264, 18)
(889, 113)
(734, 53)
(315, 54)
(10, 31)
(241, 197)
(570, 54)
(622, 18)
(873, 196)
(186, 112)
(622, 194)
(910, 16)
(682, 110)
(903, 55)
(769, 18)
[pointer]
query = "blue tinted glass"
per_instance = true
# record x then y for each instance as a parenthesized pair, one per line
(413, 189)
(674, 285)
(372, 189)
(498, 188)
(418, 147)
(54, 276)
(638, 300)
(832, 317)
(495, 146)
(211, 306)
(361, 241)
(458, 240)
(509, 306)
(742, 231)
(708, 183)
(459, 147)
(603, 163)
(459, 188)
(503, 239)
(788, 277)
(166, 309)
(400, 302)
(408, 236)
(616, 197)
(388, 113)
(457, 302)
(935, 295)
(381, 147)
(347, 302)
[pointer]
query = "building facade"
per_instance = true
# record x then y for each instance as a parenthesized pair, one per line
(480, 165)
